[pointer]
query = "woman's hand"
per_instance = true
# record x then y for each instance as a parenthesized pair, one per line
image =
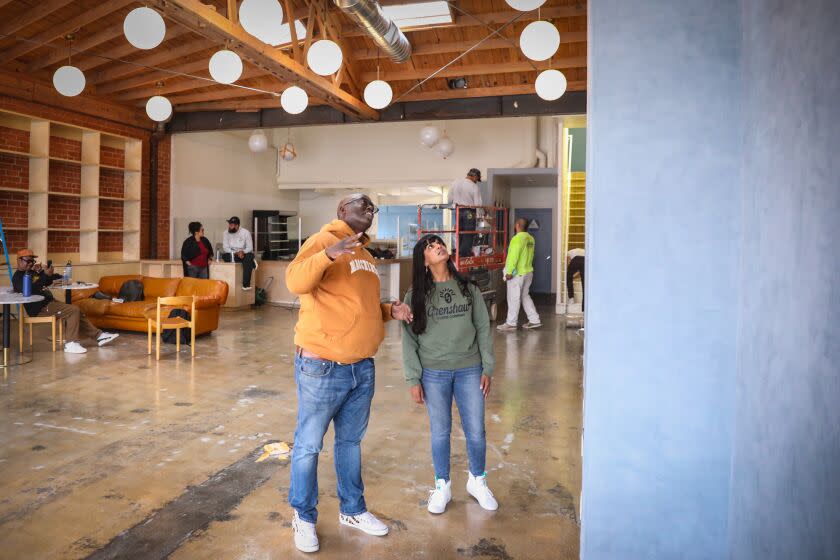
(485, 385)
(417, 394)
(401, 312)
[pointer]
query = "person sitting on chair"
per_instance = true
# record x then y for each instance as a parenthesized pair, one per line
(41, 279)
(196, 253)
(237, 240)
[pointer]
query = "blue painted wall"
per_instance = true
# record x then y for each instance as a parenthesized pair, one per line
(785, 497)
(662, 212)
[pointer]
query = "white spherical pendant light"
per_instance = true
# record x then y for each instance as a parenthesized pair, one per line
(429, 135)
(262, 19)
(257, 142)
(225, 67)
(324, 57)
(158, 108)
(550, 84)
(294, 100)
(539, 40)
(144, 28)
(445, 147)
(69, 81)
(525, 5)
(378, 94)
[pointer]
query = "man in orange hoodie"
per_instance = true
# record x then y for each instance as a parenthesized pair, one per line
(340, 327)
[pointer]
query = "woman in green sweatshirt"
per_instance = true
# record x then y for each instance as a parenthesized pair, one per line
(448, 352)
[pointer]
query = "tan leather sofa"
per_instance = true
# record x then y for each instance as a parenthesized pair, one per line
(131, 316)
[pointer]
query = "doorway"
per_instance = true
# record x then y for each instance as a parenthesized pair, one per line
(540, 227)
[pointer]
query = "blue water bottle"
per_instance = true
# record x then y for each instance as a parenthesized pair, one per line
(27, 285)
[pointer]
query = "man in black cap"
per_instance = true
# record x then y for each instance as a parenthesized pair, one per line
(239, 247)
(465, 192)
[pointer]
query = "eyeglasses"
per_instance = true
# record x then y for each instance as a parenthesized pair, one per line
(365, 204)
(27, 259)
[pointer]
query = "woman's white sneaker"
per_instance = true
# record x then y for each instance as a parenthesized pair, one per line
(306, 539)
(74, 348)
(366, 522)
(440, 496)
(477, 488)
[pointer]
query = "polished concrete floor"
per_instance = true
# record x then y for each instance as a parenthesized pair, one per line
(114, 455)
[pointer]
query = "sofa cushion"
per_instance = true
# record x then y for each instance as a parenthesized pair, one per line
(159, 287)
(130, 309)
(207, 292)
(111, 284)
(94, 307)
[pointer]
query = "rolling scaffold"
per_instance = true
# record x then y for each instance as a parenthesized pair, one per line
(489, 243)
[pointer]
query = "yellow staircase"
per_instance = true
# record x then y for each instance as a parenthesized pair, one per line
(577, 210)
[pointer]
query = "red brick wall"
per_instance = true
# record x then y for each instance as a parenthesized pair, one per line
(63, 212)
(14, 171)
(109, 242)
(111, 182)
(16, 240)
(111, 156)
(13, 209)
(108, 126)
(62, 241)
(14, 139)
(65, 148)
(65, 177)
(110, 214)
(164, 174)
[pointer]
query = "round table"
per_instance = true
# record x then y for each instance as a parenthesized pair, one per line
(68, 289)
(8, 299)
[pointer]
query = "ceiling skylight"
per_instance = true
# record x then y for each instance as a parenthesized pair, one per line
(419, 14)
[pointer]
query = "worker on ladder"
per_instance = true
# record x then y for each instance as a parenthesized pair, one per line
(465, 192)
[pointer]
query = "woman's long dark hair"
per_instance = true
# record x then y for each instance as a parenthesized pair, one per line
(422, 282)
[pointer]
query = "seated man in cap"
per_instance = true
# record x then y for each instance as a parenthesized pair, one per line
(237, 241)
(41, 279)
(464, 192)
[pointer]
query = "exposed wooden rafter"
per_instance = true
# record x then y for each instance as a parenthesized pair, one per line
(478, 69)
(203, 20)
(32, 14)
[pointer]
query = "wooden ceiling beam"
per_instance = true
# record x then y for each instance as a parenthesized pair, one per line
(226, 92)
(290, 18)
(351, 30)
(185, 84)
(21, 86)
(161, 56)
(332, 29)
(89, 42)
(422, 49)
(59, 31)
(32, 14)
(124, 50)
(204, 20)
(151, 77)
(469, 93)
(477, 69)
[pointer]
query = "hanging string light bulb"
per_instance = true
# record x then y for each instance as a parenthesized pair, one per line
(69, 80)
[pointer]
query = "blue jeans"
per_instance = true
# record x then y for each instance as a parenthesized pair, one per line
(439, 386)
(328, 391)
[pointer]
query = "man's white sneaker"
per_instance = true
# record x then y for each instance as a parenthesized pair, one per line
(440, 496)
(477, 488)
(530, 325)
(366, 522)
(106, 337)
(246, 288)
(505, 327)
(74, 348)
(306, 539)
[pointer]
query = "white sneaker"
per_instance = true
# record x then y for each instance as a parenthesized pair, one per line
(106, 337)
(530, 325)
(74, 348)
(366, 522)
(440, 496)
(505, 327)
(306, 539)
(477, 488)
(246, 288)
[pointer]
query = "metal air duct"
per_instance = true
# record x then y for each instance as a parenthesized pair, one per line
(368, 15)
